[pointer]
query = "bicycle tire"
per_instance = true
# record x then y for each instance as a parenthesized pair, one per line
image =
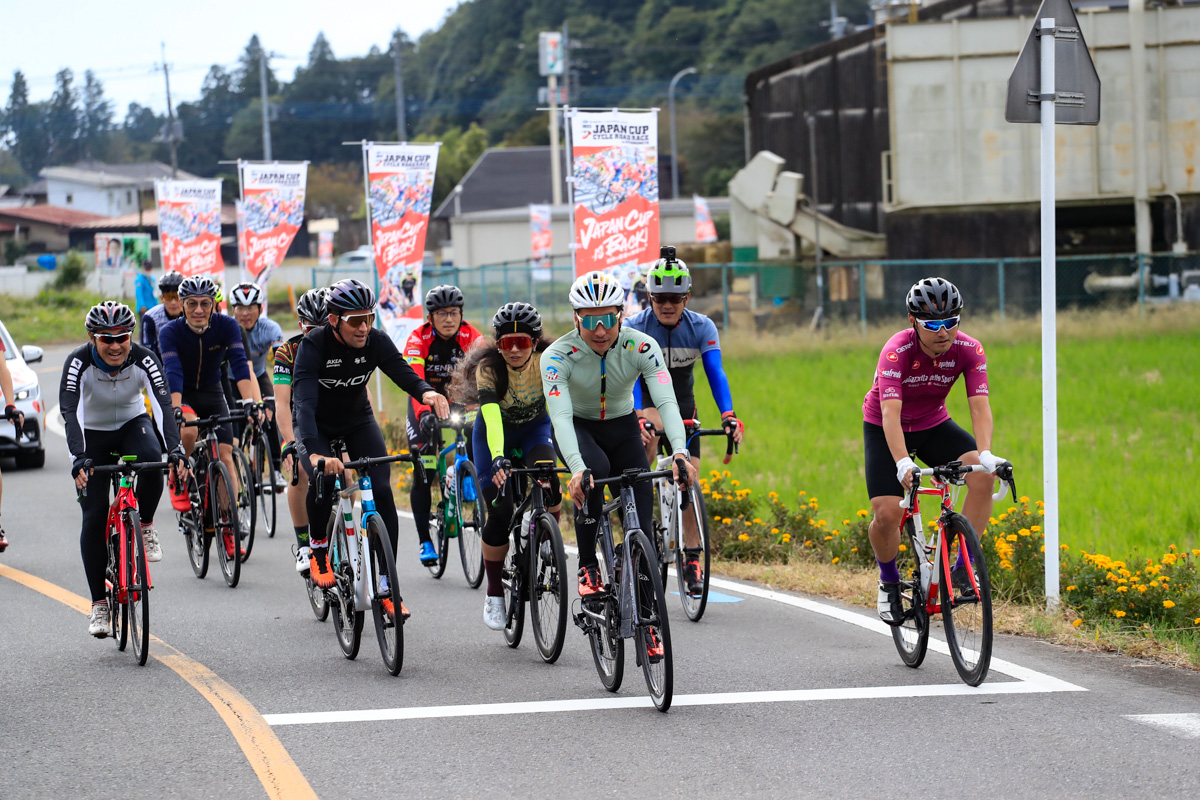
(347, 621)
(225, 531)
(604, 640)
(389, 629)
(967, 618)
(191, 522)
(137, 587)
(470, 531)
(118, 612)
(548, 589)
(247, 509)
(654, 630)
(693, 607)
(912, 637)
(659, 526)
(265, 477)
(515, 590)
(437, 531)
(317, 600)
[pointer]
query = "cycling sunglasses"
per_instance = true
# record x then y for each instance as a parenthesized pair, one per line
(516, 341)
(170, 296)
(593, 321)
(938, 324)
(112, 338)
(667, 299)
(204, 303)
(359, 320)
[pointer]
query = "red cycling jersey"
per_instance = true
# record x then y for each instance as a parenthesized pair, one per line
(434, 358)
(922, 383)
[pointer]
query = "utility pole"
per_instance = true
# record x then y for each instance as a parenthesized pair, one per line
(401, 127)
(671, 117)
(166, 68)
(266, 105)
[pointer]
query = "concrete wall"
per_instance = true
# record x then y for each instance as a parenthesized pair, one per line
(950, 142)
(108, 201)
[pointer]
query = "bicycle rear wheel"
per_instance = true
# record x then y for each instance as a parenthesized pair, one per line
(693, 605)
(317, 600)
(967, 602)
(137, 587)
(516, 590)
(471, 517)
(912, 637)
(347, 622)
(548, 589)
(118, 612)
(662, 517)
(247, 511)
(389, 626)
(223, 509)
(191, 523)
(653, 634)
(265, 477)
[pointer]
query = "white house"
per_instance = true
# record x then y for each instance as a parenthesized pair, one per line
(110, 190)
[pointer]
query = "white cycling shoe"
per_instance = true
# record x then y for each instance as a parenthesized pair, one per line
(302, 560)
(494, 615)
(98, 625)
(152, 547)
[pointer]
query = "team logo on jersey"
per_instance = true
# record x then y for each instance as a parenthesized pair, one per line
(982, 388)
(340, 383)
(892, 357)
(981, 367)
(360, 360)
(979, 349)
(644, 348)
(890, 393)
(916, 365)
(712, 343)
(551, 373)
(333, 362)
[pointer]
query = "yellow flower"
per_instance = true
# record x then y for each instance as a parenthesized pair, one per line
(863, 513)
(772, 495)
(714, 473)
(992, 521)
(1077, 623)
(835, 560)
(1042, 513)
(1022, 499)
(932, 523)
(747, 522)
(735, 483)
(716, 496)
(1035, 528)
(827, 538)
(1006, 564)
(1153, 584)
(1122, 588)
(757, 521)
(1118, 612)
(845, 522)
(787, 537)
(1061, 546)
(802, 492)
(1012, 537)
(903, 548)
(1168, 603)
(1023, 532)
(1040, 504)
(853, 549)
(1141, 588)
(1196, 621)
(727, 520)
(745, 537)
(1012, 509)
(776, 530)
(726, 474)
(1071, 588)
(1003, 517)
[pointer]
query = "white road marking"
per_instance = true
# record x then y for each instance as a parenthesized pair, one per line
(1185, 726)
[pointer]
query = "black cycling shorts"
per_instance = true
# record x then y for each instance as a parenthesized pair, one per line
(934, 446)
(210, 402)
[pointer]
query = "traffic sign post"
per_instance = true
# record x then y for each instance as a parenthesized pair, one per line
(1034, 96)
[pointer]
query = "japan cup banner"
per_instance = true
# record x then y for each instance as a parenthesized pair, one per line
(706, 231)
(272, 212)
(614, 162)
(399, 197)
(541, 237)
(189, 226)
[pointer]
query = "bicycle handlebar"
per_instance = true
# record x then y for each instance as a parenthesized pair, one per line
(365, 463)
(547, 470)
(731, 447)
(210, 422)
(955, 469)
(125, 468)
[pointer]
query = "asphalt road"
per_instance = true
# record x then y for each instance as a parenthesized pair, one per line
(247, 695)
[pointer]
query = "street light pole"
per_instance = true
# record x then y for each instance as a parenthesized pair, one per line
(671, 115)
(811, 119)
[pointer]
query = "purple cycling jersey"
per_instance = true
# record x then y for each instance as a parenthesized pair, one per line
(922, 383)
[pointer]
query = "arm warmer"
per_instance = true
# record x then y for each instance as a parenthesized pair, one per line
(715, 372)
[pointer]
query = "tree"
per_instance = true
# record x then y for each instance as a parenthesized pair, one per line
(62, 120)
(141, 124)
(246, 79)
(23, 124)
(206, 122)
(96, 119)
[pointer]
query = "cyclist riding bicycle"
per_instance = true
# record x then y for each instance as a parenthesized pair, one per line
(263, 335)
(105, 417)
(504, 377)
(432, 351)
(310, 310)
(10, 413)
(329, 395)
(904, 414)
(170, 308)
(685, 337)
(588, 378)
(193, 350)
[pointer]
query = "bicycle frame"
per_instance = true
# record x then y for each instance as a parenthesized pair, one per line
(438, 462)
(123, 501)
(359, 555)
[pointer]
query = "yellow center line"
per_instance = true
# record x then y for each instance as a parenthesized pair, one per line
(279, 775)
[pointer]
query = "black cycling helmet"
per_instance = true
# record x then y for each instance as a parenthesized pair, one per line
(350, 295)
(169, 282)
(934, 298)
(109, 315)
(443, 297)
(197, 286)
(310, 307)
(246, 294)
(517, 318)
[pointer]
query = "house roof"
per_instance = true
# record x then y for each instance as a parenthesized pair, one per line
(149, 219)
(98, 173)
(35, 189)
(504, 177)
(52, 215)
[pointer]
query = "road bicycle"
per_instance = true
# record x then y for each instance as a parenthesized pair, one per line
(630, 604)
(675, 512)
(246, 513)
(362, 562)
(127, 581)
(213, 511)
(460, 512)
(940, 576)
(535, 569)
(316, 595)
(256, 446)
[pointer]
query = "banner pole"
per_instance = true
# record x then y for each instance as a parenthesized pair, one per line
(568, 113)
(374, 266)
(1049, 311)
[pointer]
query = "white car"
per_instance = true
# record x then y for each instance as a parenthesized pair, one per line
(362, 257)
(30, 450)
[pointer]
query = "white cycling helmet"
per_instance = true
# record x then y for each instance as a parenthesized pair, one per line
(596, 290)
(246, 294)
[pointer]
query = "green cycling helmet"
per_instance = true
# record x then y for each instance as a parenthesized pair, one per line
(669, 276)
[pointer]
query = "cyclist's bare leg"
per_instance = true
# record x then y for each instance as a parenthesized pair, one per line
(187, 436)
(495, 552)
(884, 531)
(295, 498)
(978, 505)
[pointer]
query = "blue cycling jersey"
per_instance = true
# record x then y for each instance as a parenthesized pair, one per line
(265, 333)
(693, 338)
(193, 361)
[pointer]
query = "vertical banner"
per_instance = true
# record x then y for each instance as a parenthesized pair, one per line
(541, 237)
(614, 161)
(399, 196)
(189, 227)
(272, 210)
(706, 231)
(325, 249)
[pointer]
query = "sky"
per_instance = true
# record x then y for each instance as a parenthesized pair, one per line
(120, 41)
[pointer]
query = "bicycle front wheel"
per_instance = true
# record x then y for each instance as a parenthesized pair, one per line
(516, 590)
(967, 602)
(347, 621)
(653, 634)
(191, 523)
(437, 534)
(471, 517)
(118, 612)
(693, 603)
(548, 589)
(265, 480)
(137, 587)
(222, 503)
(384, 587)
(912, 636)
(247, 512)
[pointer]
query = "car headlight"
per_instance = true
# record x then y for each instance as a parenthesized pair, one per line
(24, 394)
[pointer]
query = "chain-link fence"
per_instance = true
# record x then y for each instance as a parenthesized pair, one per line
(866, 292)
